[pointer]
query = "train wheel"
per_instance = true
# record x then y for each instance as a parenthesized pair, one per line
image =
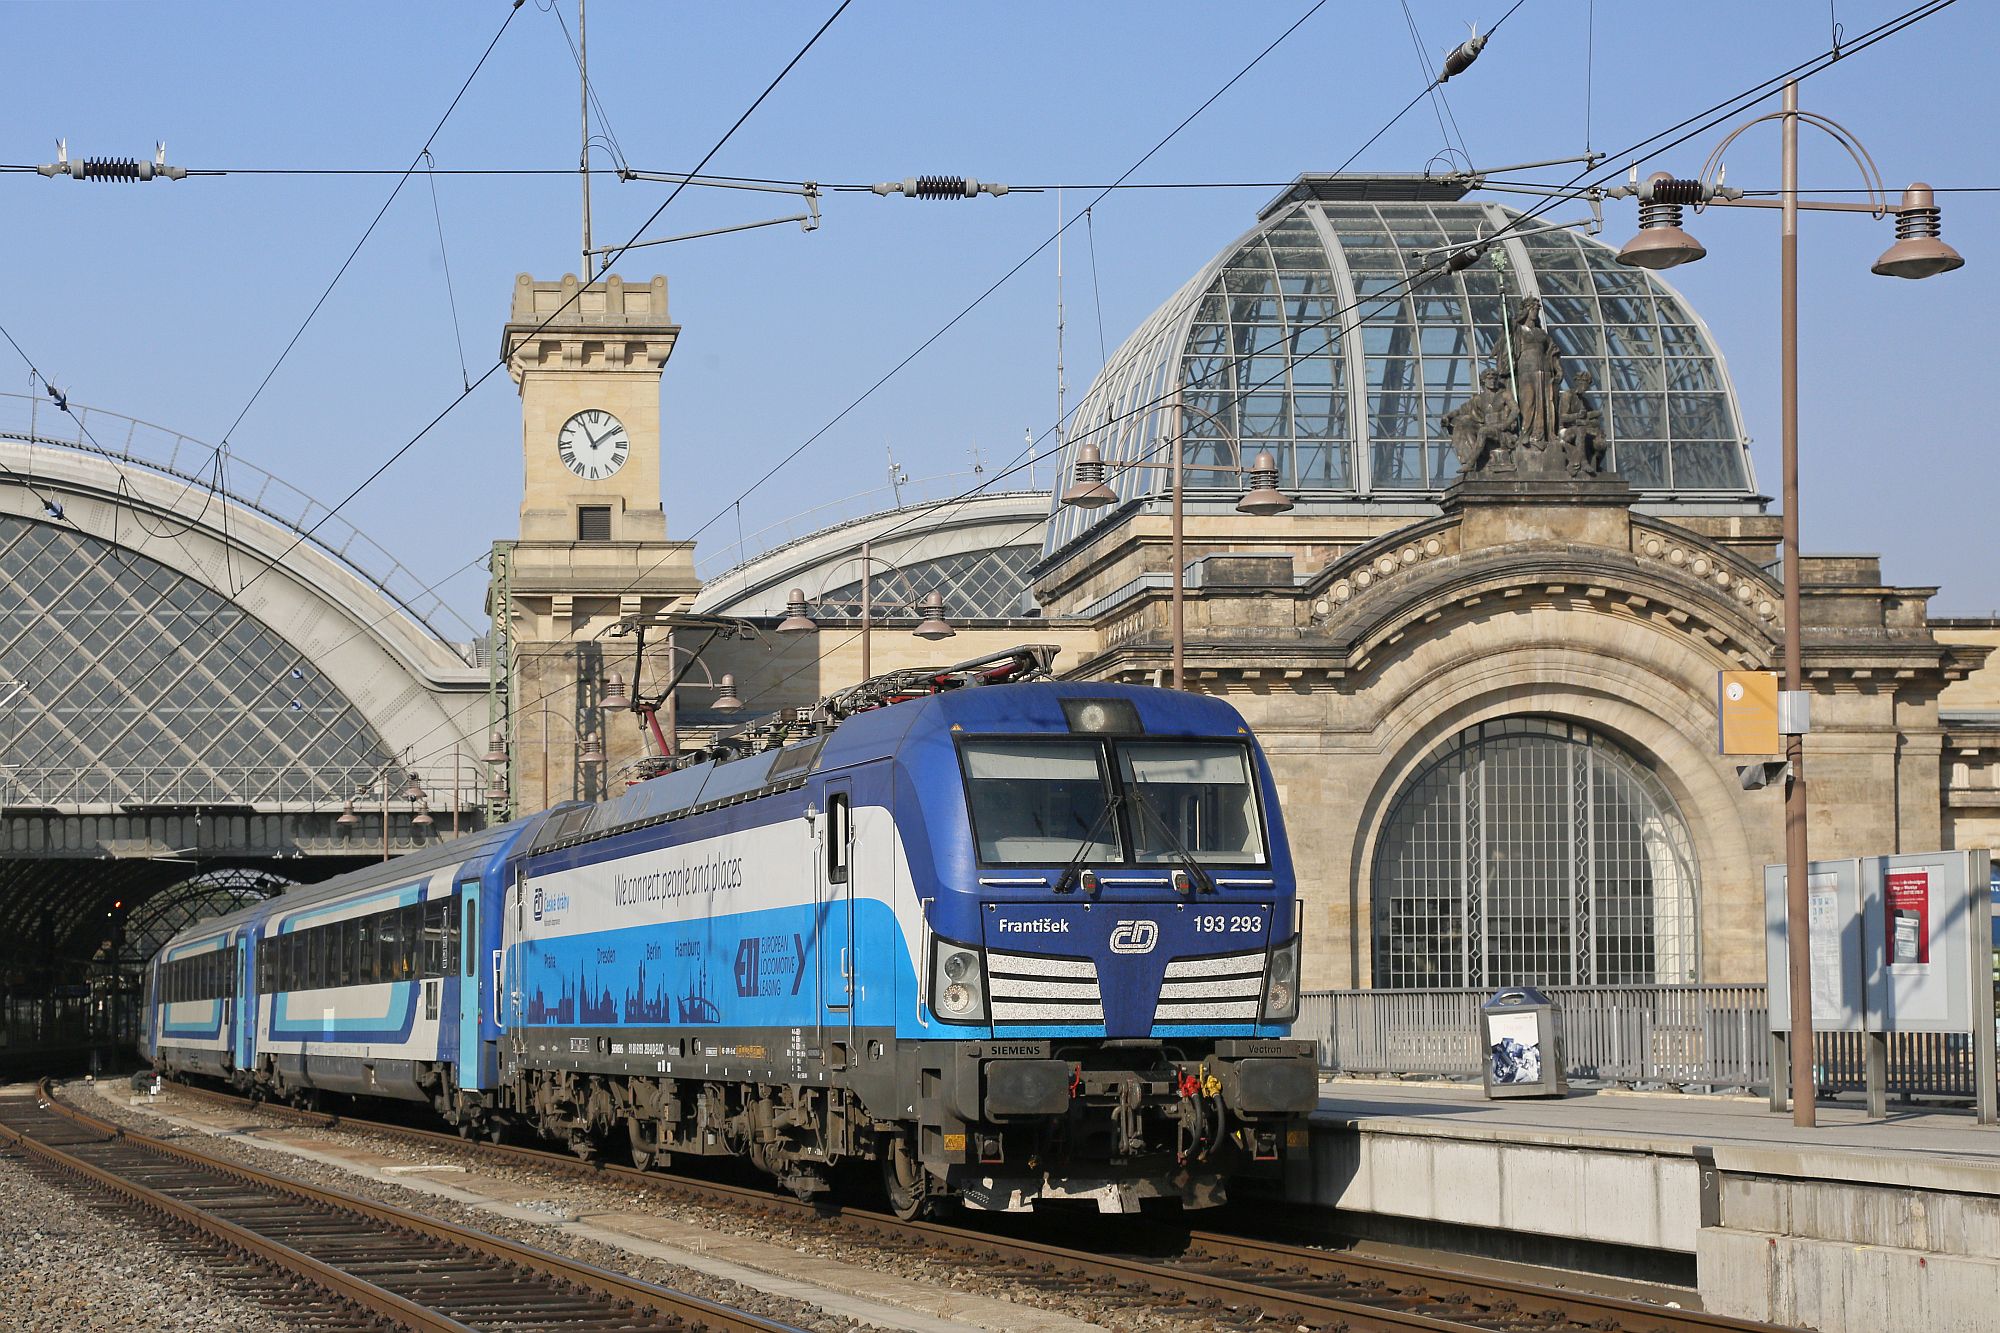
(908, 1184)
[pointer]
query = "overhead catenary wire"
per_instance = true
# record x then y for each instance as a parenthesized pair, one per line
(1885, 30)
(609, 139)
(1701, 120)
(715, 182)
(1440, 107)
(1096, 293)
(444, 258)
(610, 258)
(124, 485)
(345, 264)
(267, 565)
(997, 283)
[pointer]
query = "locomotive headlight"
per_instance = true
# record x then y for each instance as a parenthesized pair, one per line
(1281, 994)
(957, 996)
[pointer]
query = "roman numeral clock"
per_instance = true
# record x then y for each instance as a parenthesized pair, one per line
(593, 444)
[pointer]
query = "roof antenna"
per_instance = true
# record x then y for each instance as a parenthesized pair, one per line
(896, 476)
(1062, 386)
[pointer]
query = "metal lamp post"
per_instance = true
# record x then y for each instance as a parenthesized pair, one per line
(931, 612)
(1917, 253)
(1262, 498)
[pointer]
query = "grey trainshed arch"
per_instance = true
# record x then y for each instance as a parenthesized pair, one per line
(135, 621)
(163, 712)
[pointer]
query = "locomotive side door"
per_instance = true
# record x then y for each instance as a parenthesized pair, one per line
(834, 915)
(510, 956)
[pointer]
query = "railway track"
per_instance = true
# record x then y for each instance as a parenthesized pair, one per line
(338, 1262)
(1234, 1281)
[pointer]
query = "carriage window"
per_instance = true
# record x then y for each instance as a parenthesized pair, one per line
(409, 959)
(388, 945)
(1040, 802)
(436, 913)
(839, 837)
(1192, 797)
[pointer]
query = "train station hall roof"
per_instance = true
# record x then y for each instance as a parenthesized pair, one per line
(1335, 334)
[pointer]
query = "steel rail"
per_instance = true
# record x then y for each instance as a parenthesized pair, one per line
(344, 1286)
(1274, 1280)
(694, 1311)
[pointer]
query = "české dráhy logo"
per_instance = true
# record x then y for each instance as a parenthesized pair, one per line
(1135, 936)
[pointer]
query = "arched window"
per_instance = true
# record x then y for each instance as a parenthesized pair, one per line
(1531, 850)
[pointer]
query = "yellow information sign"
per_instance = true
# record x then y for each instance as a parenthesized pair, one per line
(1746, 711)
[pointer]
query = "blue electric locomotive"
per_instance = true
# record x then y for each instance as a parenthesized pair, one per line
(1014, 944)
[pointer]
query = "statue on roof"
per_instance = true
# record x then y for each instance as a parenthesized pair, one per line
(1582, 427)
(1537, 363)
(1484, 429)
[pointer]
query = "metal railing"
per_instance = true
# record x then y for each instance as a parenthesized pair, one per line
(1704, 1036)
(75, 788)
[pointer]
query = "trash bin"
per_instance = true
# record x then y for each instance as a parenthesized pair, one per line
(1517, 1028)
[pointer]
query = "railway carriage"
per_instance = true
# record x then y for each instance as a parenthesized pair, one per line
(1015, 944)
(379, 982)
(191, 1007)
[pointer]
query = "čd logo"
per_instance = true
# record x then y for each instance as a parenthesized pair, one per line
(1135, 936)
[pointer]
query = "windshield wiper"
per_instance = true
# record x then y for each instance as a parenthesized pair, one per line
(1199, 881)
(1068, 879)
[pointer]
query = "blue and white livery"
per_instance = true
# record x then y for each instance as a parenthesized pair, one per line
(1016, 943)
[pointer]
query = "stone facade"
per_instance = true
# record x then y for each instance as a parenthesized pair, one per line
(1358, 646)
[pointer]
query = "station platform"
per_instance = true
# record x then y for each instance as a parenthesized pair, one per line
(1857, 1224)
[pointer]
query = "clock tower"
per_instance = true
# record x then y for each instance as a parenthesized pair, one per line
(593, 548)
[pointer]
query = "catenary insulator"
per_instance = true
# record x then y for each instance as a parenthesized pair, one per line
(939, 187)
(1461, 57)
(1662, 189)
(116, 169)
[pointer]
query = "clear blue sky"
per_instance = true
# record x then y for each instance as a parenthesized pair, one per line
(169, 301)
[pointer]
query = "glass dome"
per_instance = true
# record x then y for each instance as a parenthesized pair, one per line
(1308, 337)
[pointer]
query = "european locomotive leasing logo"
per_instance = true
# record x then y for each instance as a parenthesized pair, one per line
(1135, 936)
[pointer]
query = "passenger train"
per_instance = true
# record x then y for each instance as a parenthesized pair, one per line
(1014, 940)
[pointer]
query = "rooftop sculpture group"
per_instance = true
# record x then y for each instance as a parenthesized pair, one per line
(1533, 428)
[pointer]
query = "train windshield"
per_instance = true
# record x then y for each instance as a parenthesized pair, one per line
(1040, 802)
(1191, 798)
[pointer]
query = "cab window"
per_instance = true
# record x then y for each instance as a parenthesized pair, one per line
(1040, 802)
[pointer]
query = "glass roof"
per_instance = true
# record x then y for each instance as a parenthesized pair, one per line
(126, 682)
(1309, 337)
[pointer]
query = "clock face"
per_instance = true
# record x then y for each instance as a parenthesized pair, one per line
(593, 444)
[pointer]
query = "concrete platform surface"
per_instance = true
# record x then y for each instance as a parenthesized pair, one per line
(1940, 1149)
(1853, 1226)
